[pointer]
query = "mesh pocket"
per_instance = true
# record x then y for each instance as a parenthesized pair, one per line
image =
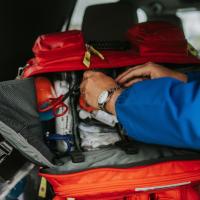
(18, 111)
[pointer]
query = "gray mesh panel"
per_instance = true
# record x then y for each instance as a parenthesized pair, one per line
(18, 110)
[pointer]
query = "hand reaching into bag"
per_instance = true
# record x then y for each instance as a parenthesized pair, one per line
(147, 71)
(93, 84)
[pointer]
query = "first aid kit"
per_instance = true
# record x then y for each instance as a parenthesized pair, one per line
(84, 153)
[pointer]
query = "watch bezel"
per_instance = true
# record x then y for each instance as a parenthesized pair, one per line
(109, 92)
(103, 97)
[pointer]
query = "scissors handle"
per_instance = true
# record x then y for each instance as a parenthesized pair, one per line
(53, 104)
(58, 107)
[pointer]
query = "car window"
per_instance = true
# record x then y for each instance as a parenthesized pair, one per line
(142, 16)
(191, 20)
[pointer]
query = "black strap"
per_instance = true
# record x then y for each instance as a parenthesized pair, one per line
(110, 45)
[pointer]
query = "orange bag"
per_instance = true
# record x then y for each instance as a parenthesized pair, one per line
(173, 180)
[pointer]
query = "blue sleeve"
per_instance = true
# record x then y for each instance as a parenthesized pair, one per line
(162, 111)
(193, 76)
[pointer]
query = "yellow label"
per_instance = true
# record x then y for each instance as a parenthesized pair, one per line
(192, 50)
(86, 59)
(94, 51)
(43, 188)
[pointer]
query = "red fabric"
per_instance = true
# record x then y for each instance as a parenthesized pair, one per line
(152, 41)
(154, 37)
(151, 47)
(155, 31)
(180, 193)
(58, 45)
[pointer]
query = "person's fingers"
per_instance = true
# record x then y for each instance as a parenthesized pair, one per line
(128, 84)
(88, 74)
(123, 74)
(127, 72)
(136, 73)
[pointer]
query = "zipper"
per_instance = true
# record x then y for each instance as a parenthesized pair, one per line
(127, 185)
(90, 50)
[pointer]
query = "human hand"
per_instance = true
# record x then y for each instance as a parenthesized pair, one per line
(147, 71)
(93, 84)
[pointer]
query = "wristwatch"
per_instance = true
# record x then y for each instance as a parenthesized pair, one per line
(105, 96)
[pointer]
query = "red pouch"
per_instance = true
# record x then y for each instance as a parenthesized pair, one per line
(158, 42)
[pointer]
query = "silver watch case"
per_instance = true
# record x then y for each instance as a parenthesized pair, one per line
(103, 97)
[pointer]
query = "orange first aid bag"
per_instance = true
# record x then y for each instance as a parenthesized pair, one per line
(169, 180)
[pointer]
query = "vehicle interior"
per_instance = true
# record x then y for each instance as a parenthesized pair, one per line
(22, 22)
(99, 20)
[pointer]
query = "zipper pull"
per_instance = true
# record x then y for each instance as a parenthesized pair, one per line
(20, 72)
(89, 51)
(87, 58)
(95, 52)
(192, 50)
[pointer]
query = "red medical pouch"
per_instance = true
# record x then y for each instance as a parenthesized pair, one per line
(117, 172)
(152, 41)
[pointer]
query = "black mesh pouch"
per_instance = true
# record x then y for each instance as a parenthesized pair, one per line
(18, 110)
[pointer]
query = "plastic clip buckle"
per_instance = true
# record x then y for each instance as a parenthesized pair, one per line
(77, 157)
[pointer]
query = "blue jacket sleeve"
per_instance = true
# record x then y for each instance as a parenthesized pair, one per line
(162, 111)
(193, 76)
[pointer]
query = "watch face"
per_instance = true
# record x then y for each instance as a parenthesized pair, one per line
(103, 97)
